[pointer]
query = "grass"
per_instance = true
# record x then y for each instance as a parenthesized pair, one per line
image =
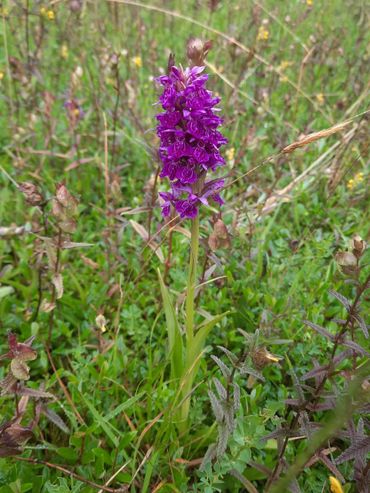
(113, 388)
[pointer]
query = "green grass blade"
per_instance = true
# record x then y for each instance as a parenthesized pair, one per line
(101, 421)
(122, 407)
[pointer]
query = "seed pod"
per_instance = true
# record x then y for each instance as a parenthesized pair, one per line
(347, 262)
(219, 238)
(261, 358)
(65, 199)
(31, 192)
(358, 246)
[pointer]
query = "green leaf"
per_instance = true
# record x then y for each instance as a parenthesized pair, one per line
(101, 421)
(67, 453)
(194, 350)
(173, 331)
(197, 344)
(6, 291)
(122, 407)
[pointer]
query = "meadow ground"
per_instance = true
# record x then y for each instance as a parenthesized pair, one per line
(93, 405)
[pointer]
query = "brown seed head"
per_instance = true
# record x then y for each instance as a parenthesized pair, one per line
(347, 261)
(197, 50)
(358, 246)
(219, 238)
(66, 199)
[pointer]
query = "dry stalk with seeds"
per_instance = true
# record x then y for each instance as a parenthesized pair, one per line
(13, 433)
(58, 224)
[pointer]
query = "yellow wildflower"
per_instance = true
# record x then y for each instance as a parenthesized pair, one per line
(263, 34)
(320, 98)
(64, 51)
(4, 12)
(47, 13)
(359, 177)
(230, 154)
(309, 3)
(101, 322)
(1, 75)
(137, 61)
(285, 64)
(356, 180)
(335, 486)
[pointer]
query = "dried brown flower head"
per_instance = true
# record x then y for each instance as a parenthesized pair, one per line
(261, 358)
(197, 50)
(32, 194)
(358, 246)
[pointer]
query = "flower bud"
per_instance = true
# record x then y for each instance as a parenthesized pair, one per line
(197, 50)
(170, 63)
(75, 5)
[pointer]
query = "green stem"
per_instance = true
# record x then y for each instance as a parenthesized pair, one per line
(190, 315)
(192, 280)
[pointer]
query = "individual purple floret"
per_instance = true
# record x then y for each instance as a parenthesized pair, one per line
(189, 141)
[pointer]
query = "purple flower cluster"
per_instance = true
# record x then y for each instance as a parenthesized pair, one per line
(190, 141)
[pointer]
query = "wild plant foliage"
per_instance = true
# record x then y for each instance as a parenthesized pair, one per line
(183, 295)
(318, 392)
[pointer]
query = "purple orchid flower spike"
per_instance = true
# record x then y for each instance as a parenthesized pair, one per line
(189, 141)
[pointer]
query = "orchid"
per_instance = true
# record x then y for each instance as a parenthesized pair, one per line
(189, 141)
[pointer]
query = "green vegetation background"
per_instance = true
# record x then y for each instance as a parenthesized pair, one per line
(310, 73)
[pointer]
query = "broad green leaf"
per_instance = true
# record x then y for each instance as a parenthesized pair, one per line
(194, 350)
(173, 331)
(67, 453)
(197, 344)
